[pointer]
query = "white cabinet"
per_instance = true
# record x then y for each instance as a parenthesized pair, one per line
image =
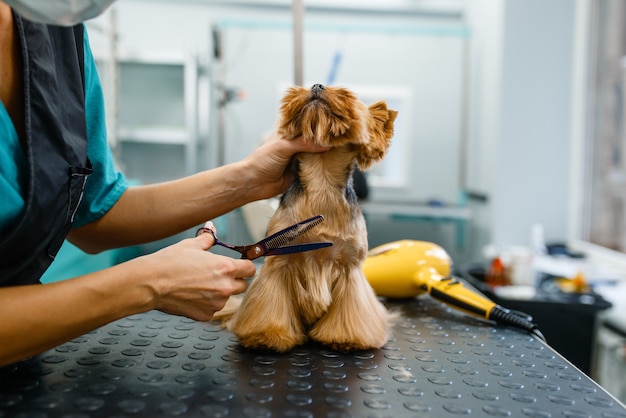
(153, 113)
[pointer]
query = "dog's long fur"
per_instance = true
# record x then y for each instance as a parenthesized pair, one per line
(322, 295)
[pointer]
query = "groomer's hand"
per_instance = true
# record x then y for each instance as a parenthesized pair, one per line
(195, 283)
(270, 162)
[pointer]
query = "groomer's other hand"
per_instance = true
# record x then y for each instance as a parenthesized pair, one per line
(192, 282)
(269, 163)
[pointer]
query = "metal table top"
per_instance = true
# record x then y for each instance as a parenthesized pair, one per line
(438, 363)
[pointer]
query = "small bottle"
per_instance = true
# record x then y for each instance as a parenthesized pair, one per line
(497, 274)
(537, 241)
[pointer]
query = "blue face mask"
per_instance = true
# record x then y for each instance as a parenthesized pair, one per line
(59, 12)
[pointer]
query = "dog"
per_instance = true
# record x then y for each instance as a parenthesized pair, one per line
(321, 295)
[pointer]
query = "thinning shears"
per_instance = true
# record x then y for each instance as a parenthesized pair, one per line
(275, 244)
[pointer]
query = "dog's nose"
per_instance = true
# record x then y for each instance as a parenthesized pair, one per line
(317, 88)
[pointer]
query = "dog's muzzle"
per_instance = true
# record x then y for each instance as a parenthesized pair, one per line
(317, 89)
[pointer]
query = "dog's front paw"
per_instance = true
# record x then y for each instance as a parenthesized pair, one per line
(340, 339)
(352, 346)
(356, 321)
(276, 339)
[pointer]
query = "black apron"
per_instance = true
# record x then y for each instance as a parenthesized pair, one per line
(56, 148)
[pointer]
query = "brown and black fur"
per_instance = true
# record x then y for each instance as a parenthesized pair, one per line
(321, 295)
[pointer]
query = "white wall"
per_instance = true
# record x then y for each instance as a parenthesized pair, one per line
(486, 19)
(400, 50)
(532, 163)
(518, 109)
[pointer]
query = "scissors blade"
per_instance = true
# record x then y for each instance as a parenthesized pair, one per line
(299, 248)
(290, 233)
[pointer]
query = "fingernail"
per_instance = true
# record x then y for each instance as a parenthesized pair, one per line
(208, 227)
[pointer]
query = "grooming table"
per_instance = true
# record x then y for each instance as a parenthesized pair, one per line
(438, 363)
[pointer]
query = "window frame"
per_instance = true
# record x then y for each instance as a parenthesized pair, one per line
(582, 128)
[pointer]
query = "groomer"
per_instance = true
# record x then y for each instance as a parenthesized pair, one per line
(58, 181)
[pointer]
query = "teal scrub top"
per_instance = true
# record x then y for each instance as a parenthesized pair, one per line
(103, 187)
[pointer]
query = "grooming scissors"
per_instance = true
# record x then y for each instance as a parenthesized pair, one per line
(275, 243)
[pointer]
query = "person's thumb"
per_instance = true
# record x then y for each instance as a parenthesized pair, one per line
(205, 235)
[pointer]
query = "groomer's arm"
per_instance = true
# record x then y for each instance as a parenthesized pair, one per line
(182, 279)
(147, 213)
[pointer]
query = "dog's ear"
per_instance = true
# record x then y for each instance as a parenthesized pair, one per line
(290, 119)
(380, 127)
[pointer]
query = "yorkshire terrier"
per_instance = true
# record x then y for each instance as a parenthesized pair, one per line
(321, 295)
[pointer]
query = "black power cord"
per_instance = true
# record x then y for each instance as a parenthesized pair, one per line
(515, 319)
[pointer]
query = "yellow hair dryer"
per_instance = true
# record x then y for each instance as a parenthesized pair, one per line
(407, 268)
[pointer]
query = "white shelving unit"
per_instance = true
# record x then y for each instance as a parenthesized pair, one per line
(158, 102)
(153, 112)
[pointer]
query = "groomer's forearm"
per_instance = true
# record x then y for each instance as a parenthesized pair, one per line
(36, 318)
(151, 212)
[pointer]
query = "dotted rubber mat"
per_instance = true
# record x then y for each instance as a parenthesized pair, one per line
(439, 363)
